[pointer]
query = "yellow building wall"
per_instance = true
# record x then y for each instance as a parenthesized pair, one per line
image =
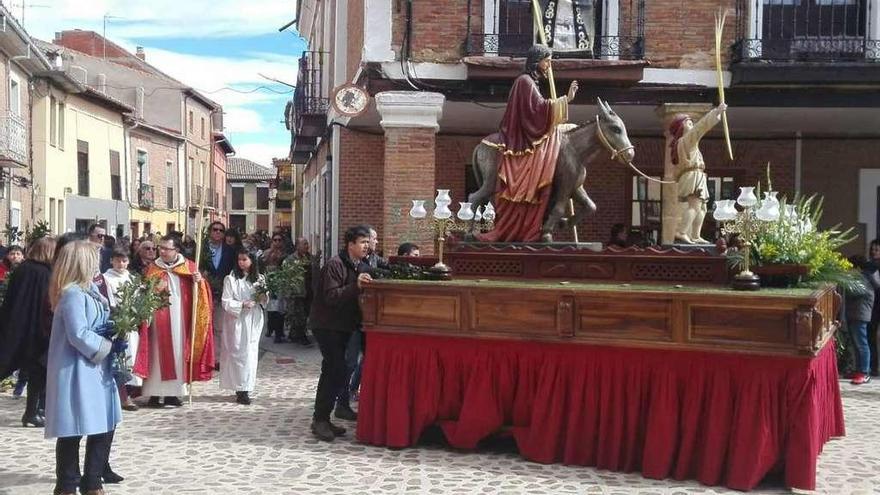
(158, 220)
(55, 167)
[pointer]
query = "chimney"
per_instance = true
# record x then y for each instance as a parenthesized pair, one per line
(139, 53)
(139, 103)
(102, 83)
(57, 37)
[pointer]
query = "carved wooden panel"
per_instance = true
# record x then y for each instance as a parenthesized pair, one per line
(368, 307)
(755, 326)
(488, 267)
(796, 324)
(684, 272)
(628, 319)
(514, 312)
(423, 310)
(565, 316)
(577, 270)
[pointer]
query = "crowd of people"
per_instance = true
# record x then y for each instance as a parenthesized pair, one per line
(57, 333)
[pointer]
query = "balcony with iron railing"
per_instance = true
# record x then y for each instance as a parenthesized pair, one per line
(145, 196)
(309, 98)
(13, 141)
(596, 29)
(810, 34)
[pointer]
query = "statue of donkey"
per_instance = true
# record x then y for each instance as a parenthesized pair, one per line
(578, 146)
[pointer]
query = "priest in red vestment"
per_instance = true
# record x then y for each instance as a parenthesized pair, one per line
(163, 358)
(528, 145)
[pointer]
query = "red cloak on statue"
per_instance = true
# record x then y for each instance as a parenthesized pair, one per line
(204, 343)
(528, 145)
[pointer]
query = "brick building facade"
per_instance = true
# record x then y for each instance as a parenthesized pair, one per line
(807, 107)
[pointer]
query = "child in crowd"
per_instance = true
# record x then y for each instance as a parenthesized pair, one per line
(242, 326)
(14, 257)
(109, 283)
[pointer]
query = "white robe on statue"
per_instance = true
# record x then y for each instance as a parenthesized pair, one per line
(242, 328)
(153, 384)
(114, 280)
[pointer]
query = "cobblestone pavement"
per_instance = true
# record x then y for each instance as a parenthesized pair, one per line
(221, 447)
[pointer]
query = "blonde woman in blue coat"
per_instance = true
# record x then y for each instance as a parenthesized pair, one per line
(81, 395)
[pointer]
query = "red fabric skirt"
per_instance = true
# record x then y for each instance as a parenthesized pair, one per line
(720, 418)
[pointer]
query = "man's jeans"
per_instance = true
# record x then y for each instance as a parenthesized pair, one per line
(352, 366)
(859, 332)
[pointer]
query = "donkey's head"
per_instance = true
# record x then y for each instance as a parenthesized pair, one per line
(612, 133)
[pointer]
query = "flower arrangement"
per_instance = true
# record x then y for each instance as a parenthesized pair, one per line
(136, 303)
(795, 239)
(261, 290)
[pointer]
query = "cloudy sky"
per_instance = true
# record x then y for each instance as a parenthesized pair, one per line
(220, 47)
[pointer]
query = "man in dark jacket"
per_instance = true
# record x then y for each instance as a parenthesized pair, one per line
(218, 260)
(335, 314)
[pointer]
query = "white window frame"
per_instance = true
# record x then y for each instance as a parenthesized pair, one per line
(53, 121)
(243, 199)
(144, 173)
(15, 214)
(61, 107)
(14, 98)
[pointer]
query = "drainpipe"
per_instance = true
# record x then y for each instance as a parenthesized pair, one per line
(127, 164)
(31, 149)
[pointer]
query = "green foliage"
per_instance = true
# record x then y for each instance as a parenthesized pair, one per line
(40, 230)
(795, 239)
(289, 280)
(399, 271)
(13, 234)
(136, 302)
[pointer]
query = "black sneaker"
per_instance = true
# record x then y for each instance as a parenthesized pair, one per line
(110, 477)
(153, 402)
(322, 430)
(243, 398)
(173, 401)
(337, 430)
(345, 412)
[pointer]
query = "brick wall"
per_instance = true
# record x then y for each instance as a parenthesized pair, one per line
(355, 36)
(831, 168)
(678, 33)
(361, 165)
(159, 150)
(408, 173)
(439, 29)
(681, 33)
(453, 155)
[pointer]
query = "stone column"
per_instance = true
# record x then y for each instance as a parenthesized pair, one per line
(410, 120)
(671, 208)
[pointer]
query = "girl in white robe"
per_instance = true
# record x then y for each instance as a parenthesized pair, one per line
(242, 326)
(114, 278)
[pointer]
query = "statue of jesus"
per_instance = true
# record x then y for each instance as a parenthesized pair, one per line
(528, 145)
(690, 172)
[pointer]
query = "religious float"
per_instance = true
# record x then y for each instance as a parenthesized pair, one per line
(630, 359)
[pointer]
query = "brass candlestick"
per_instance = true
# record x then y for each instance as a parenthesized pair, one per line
(746, 223)
(442, 222)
